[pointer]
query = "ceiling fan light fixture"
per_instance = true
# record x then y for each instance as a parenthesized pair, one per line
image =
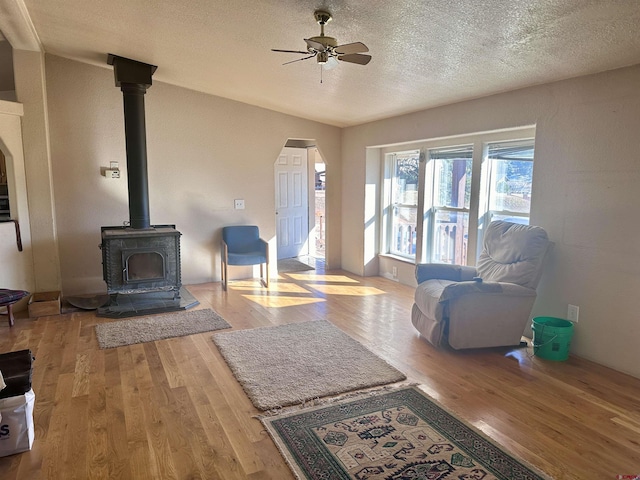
(332, 63)
(326, 49)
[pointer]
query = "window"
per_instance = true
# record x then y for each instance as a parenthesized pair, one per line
(404, 203)
(448, 215)
(511, 166)
(465, 183)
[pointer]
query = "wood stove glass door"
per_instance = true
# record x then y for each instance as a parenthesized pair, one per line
(143, 266)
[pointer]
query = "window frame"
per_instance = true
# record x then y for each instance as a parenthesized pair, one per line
(478, 211)
(492, 212)
(431, 210)
(390, 169)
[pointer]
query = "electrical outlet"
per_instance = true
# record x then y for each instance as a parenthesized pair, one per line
(238, 204)
(394, 272)
(572, 313)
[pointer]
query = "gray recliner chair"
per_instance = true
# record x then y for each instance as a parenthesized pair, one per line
(488, 305)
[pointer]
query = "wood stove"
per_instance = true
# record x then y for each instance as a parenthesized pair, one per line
(140, 261)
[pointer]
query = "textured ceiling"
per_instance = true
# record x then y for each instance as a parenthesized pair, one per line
(425, 53)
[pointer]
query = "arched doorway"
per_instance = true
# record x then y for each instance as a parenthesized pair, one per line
(300, 183)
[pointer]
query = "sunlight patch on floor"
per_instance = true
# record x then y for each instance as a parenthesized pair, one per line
(305, 277)
(521, 355)
(282, 301)
(274, 287)
(347, 290)
(245, 284)
(283, 293)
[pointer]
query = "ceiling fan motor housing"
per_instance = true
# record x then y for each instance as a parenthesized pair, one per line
(326, 41)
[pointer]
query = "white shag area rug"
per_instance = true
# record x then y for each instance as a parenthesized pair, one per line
(158, 327)
(291, 364)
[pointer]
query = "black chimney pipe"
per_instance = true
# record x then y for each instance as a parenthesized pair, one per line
(134, 78)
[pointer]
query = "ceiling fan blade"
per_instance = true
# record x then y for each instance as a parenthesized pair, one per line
(355, 58)
(300, 59)
(356, 47)
(288, 51)
(315, 45)
(331, 63)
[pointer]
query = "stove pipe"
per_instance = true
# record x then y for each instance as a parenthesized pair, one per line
(134, 78)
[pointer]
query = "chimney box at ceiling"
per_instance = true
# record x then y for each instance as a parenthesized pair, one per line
(131, 71)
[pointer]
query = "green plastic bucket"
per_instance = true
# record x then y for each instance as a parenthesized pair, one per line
(552, 338)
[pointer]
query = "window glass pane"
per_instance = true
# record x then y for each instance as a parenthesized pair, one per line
(403, 231)
(452, 176)
(405, 178)
(511, 176)
(450, 236)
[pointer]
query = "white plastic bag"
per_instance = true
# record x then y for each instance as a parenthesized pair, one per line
(16, 426)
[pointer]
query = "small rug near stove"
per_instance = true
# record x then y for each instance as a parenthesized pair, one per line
(158, 327)
(400, 435)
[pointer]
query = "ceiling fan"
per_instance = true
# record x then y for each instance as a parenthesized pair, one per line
(326, 49)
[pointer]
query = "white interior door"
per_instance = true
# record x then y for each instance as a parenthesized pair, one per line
(292, 212)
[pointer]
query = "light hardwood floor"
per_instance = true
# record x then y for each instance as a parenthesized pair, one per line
(172, 408)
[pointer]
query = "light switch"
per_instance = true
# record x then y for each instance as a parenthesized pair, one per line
(238, 204)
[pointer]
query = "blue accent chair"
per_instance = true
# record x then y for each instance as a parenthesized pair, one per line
(242, 245)
(8, 298)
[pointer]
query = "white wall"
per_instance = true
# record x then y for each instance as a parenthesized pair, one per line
(203, 152)
(32, 94)
(585, 194)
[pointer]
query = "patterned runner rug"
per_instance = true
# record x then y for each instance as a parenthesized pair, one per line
(400, 435)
